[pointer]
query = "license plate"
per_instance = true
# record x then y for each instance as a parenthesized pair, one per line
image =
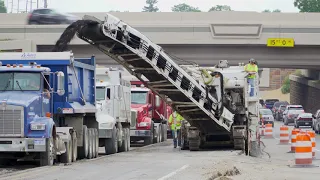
(307, 123)
(39, 142)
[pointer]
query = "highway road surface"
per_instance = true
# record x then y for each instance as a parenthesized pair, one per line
(161, 161)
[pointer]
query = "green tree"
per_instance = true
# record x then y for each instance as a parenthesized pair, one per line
(220, 8)
(266, 10)
(307, 5)
(3, 8)
(184, 8)
(151, 6)
(285, 89)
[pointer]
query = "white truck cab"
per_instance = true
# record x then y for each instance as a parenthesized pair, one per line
(113, 97)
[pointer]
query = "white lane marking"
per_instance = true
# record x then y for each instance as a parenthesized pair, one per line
(174, 172)
(317, 150)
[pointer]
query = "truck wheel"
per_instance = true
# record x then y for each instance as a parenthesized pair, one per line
(74, 146)
(164, 132)
(124, 146)
(67, 156)
(47, 158)
(111, 145)
(84, 150)
(128, 139)
(94, 145)
(157, 132)
(97, 141)
(149, 140)
(90, 153)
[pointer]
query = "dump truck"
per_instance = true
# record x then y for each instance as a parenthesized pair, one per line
(113, 95)
(217, 105)
(159, 112)
(47, 107)
(151, 127)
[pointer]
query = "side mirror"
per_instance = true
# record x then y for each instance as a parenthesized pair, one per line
(157, 101)
(60, 83)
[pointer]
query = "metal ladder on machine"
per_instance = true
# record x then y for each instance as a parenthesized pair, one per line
(139, 55)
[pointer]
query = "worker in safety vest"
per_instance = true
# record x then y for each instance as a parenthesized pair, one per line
(252, 69)
(175, 124)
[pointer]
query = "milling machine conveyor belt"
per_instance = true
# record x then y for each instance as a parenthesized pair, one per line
(140, 56)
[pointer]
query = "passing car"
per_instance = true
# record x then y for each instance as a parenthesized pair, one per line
(303, 119)
(316, 122)
(291, 113)
(276, 106)
(270, 102)
(279, 112)
(47, 16)
(266, 116)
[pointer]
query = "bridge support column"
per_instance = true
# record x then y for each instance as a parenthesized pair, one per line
(312, 74)
(305, 91)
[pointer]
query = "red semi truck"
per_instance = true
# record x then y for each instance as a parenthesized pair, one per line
(150, 115)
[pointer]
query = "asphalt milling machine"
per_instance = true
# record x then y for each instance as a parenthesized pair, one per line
(214, 101)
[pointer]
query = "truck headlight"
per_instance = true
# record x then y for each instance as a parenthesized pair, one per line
(37, 127)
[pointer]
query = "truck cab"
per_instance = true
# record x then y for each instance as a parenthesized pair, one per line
(113, 110)
(150, 114)
(47, 103)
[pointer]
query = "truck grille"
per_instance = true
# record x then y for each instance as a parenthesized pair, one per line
(11, 121)
(134, 116)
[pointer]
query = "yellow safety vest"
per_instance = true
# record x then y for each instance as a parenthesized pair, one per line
(178, 120)
(250, 67)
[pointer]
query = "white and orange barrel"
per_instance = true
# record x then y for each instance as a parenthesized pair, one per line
(262, 129)
(294, 133)
(284, 135)
(268, 131)
(312, 135)
(303, 154)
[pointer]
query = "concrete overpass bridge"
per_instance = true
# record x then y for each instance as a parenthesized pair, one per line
(203, 38)
(200, 37)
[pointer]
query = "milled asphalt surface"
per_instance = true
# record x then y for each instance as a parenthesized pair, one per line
(161, 161)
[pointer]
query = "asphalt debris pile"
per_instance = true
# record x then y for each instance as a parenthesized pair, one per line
(225, 174)
(68, 34)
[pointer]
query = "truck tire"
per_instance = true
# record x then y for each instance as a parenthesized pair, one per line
(128, 139)
(111, 145)
(159, 137)
(94, 149)
(149, 140)
(84, 150)
(97, 141)
(164, 132)
(74, 146)
(158, 132)
(90, 135)
(67, 156)
(47, 158)
(124, 146)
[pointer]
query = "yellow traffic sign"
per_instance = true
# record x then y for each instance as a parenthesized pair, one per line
(280, 42)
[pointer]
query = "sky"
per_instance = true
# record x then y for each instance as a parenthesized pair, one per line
(163, 5)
